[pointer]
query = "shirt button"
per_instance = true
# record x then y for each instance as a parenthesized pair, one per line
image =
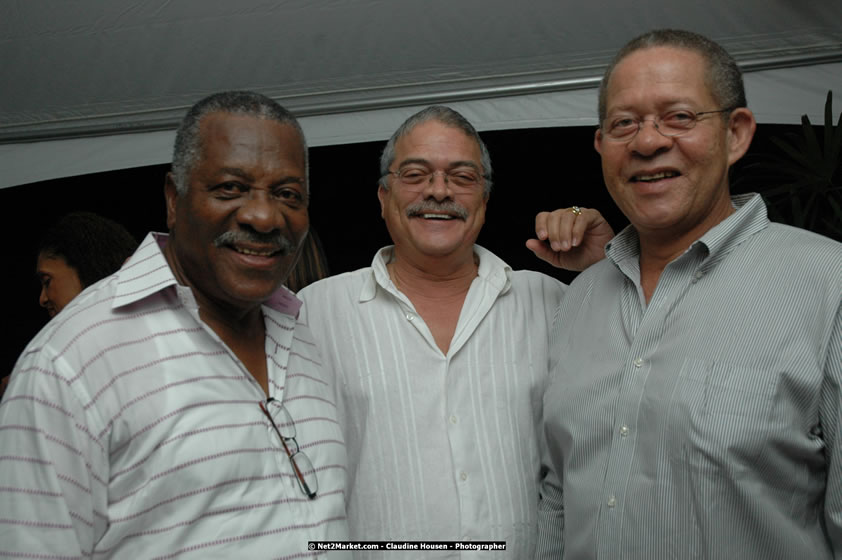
(463, 475)
(612, 501)
(453, 419)
(638, 362)
(410, 316)
(624, 431)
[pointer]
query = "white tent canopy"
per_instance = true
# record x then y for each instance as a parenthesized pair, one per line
(93, 85)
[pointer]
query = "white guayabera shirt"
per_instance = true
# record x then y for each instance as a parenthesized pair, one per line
(440, 447)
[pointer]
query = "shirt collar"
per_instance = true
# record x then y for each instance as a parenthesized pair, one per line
(147, 272)
(749, 218)
(492, 269)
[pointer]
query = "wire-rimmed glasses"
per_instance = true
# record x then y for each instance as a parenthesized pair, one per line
(282, 424)
(461, 179)
(670, 124)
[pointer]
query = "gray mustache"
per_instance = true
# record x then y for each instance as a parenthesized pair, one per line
(278, 241)
(447, 206)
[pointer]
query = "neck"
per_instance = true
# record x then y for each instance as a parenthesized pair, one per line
(221, 316)
(437, 288)
(241, 328)
(661, 247)
(665, 245)
(439, 276)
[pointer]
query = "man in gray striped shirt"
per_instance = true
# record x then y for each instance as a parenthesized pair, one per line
(694, 403)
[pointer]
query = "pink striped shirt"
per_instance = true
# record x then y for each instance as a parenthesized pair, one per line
(130, 430)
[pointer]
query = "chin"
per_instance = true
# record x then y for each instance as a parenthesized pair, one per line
(438, 250)
(249, 292)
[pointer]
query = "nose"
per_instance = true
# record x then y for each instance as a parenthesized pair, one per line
(42, 298)
(438, 186)
(648, 141)
(260, 212)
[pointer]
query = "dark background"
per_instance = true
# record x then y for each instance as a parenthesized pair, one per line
(534, 170)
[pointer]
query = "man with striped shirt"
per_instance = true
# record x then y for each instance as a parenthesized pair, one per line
(441, 352)
(694, 402)
(177, 408)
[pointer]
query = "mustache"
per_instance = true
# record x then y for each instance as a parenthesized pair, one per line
(276, 239)
(448, 207)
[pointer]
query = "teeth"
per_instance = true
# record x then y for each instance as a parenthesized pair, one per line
(437, 216)
(256, 253)
(657, 176)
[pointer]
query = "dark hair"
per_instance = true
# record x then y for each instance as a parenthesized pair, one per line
(92, 245)
(188, 140)
(311, 265)
(447, 117)
(723, 75)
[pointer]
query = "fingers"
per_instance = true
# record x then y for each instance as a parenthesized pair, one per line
(587, 220)
(570, 239)
(541, 225)
(560, 227)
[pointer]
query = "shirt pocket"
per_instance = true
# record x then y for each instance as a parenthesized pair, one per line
(721, 415)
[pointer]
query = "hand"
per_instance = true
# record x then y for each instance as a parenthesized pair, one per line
(569, 240)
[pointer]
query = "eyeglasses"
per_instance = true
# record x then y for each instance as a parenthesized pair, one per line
(284, 426)
(416, 179)
(674, 123)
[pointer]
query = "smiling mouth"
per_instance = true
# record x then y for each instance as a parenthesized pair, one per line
(654, 177)
(256, 253)
(436, 216)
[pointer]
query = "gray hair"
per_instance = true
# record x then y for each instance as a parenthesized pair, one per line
(188, 146)
(723, 76)
(447, 117)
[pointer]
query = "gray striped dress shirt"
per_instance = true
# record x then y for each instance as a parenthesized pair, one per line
(706, 423)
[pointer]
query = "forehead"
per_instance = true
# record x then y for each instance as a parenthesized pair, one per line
(659, 76)
(51, 264)
(226, 136)
(437, 143)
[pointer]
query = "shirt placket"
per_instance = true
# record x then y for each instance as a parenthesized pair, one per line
(645, 328)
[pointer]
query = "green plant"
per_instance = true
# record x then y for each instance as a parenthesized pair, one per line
(804, 187)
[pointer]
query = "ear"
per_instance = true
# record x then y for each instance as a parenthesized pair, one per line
(597, 140)
(741, 127)
(382, 193)
(171, 196)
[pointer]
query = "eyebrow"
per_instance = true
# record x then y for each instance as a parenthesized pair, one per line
(451, 165)
(662, 106)
(238, 172)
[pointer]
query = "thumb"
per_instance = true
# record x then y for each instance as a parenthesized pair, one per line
(543, 251)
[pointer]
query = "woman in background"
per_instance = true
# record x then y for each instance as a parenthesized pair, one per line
(77, 251)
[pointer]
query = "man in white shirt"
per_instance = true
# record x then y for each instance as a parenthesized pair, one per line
(177, 408)
(440, 350)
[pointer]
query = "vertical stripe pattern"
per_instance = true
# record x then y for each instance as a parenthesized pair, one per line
(440, 447)
(706, 423)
